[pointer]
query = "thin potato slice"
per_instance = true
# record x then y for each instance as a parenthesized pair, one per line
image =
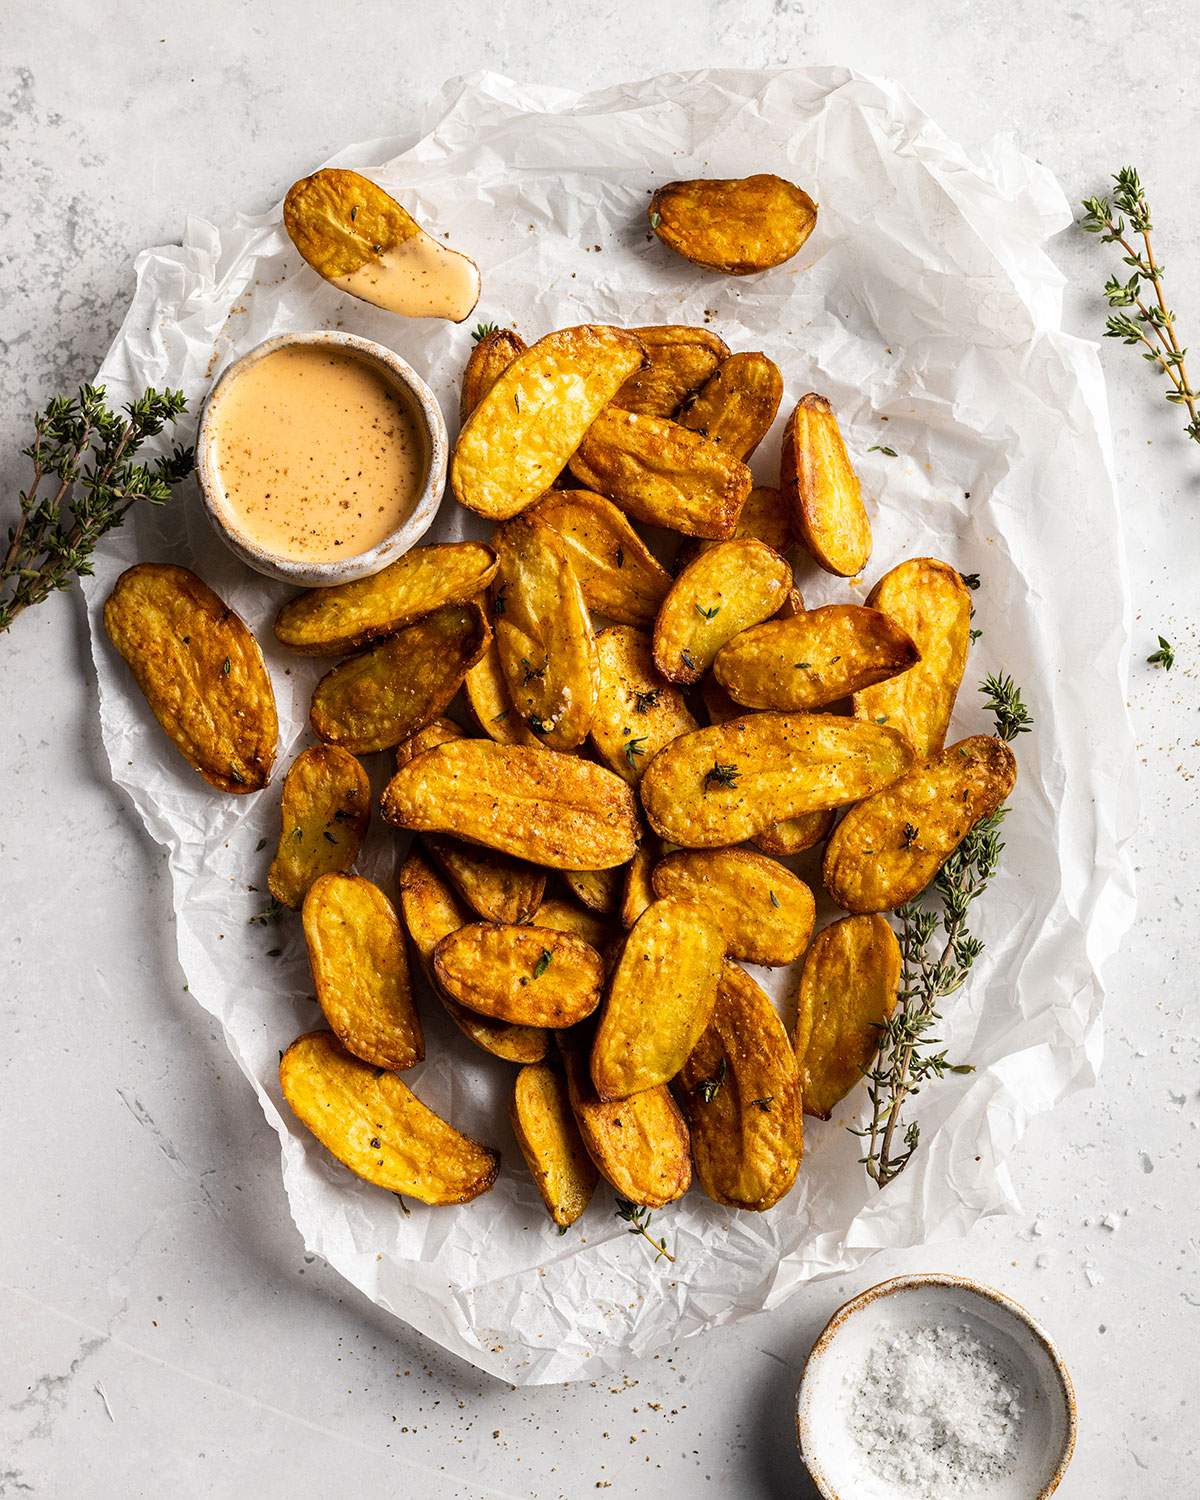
(490, 357)
(487, 694)
(887, 850)
(848, 988)
(819, 482)
(637, 892)
(743, 1099)
(499, 889)
(515, 443)
(928, 599)
(733, 224)
(765, 516)
(680, 360)
(764, 912)
(324, 813)
(659, 1001)
(201, 672)
(360, 971)
(727, 783)
(374, 701)
(619, 575)
(598, 890)
(435, 733)
(565, 916)
(551, 1144)
(814, 658)
(550, 809)
(663, 474)
(637, 713)
(724, 591)
(737, 404)
(531, 975)
(375, 1125)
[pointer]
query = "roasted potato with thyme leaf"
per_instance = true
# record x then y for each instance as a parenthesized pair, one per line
(722, 593)
(598, 890)
(531, 975)
(491, 356)
(764, 912)
(324, 814)
(679, 361)
(734, 224)
(822, 488)
(550, 1142)
(737, 403)
(619, 575)
(375, 1125)
(764, 516)
(487, 695)
(201, 671)
(637, 713)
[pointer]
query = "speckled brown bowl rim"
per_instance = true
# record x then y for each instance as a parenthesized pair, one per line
(955, 1283)
(361, 564)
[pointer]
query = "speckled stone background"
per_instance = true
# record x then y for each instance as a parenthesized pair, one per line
(163, 1331)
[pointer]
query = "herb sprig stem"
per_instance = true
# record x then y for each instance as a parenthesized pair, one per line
(637, 1217)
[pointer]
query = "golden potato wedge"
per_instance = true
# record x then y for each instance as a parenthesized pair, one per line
(201, 672)
(737, 403)
(515, 443)
(431, 912)
(792, 605)
(334, 621)
(765, 516)
(663, 474)
(887, 850)
(544, 634)
(539, 805)
(637, 713)
(930, 601)
(435, 733)
(490, 357)
(847, 991)
(819, 482)
(497, 888)
(618, 574)
(679, 361)
(565, 916)
(743, 1099)
(725, 784)
(659, 1000)
(360, 971)
(813, 658)
(598, 890)
(324, 814)
(795, 835)
(487, 694)
(637, 892)
(550, 1142)
(375, 1125)
(532, 975)
(723, 592)
(733, 224)
(764, 912)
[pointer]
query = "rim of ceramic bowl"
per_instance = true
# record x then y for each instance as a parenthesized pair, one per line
(397, 542)
(953, 1283)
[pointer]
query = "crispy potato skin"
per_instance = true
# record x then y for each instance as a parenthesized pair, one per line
(562, 1171)
(334, 621)
(525, 428)
(872, 863)
(764, 516)
(637, 713)
(637, 892)
(375, 700)
(531, 975)
(489, 359)
(784, 765)
(598, 890)
(201, 672)
(734, 224)
(663, 474)
(497, 888)
(819, 481)
(726, 590)
(552, 809)
(617, 572)
(737, 403)
(680, 359)
(813, 658)
(659, 1000)
(375, 1125)
(435, 733)
(764, 912)
(360, 971)
(565, 916)
(748, 1139)
(340, 220)
(324, 813)
(930, 601)
(487, 695)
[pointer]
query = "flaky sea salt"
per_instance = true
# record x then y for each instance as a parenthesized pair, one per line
(935, 1413)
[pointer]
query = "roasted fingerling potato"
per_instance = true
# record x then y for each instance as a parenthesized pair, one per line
(324, 813)
(723, 592)
(597, 890)
(737, 404)
(637, 891)
(550, 1142)
(530, 975)
(495, 887)
(764, 912)
(819, 482)
(734, 224)
(765, 516)
(490, 357)
(619, 575)
(637, 711)
(493, 710)
(678, 361)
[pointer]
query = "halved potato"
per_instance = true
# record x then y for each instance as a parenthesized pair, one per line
(496, 887)
(659, 1001)
(930, 601)
(733, 224)
(360, 971)
(637, 892)
(551, 809)
(725, 784)
(435, 733)
(743, 1099)
(565, 916)
(847, 991)
(337, 620)
(598, 890)
(637, 713)
(375, 700)
(515, 443)
(487, 694)
(550, 1142)
(531, 975)
(764, 912)
(765, 516)
(723, 592)
(491, 356)
(375, 1125)
(887, 850)
(680, 360)
(737, 403)
(324, 814)
(618, 574)
(201, 672)
(663, 474)
(819, 481)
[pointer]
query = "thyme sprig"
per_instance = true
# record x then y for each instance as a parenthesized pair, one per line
(1004, 701)
(1164, 657)
(637, 1216)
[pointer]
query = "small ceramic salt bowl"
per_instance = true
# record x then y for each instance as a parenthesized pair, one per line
(430, 423)
(929, 1344)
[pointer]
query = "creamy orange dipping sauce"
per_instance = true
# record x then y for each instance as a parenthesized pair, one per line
(420, 278)
(320, 456)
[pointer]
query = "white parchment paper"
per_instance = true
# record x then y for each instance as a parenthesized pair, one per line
(926, 308)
